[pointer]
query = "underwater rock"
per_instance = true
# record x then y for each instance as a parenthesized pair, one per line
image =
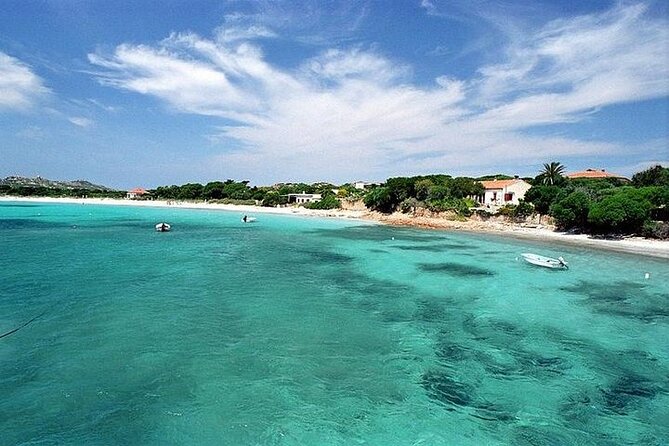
(455, 269)
(622, 298)
(441, 387)
(627, 392)
(493, 412)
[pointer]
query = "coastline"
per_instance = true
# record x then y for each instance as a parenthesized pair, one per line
(629, 245)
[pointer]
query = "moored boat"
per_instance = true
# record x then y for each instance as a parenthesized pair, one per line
(163, 227)
(546, 262)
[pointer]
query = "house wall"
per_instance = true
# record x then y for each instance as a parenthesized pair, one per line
(498, 197)
(519, 190)
(493, 197)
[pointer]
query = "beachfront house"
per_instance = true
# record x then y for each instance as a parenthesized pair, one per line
(501, 192)
(136, 193)
(303, 198)
(361, 185)
(596, 174)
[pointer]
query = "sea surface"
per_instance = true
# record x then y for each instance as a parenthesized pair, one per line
(305, 331)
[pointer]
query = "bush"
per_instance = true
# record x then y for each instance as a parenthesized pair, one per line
(655, 176)
(458, 206)
(620, 213)
(571, 211)
(327, 202)
(379, 199)
(542, 197)
(523, 210)
(273, 198)
(507, 210)
(410, 205)
(655, 229)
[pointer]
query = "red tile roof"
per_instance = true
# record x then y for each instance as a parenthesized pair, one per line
(498, 184)
(593, 173)
(138, 191)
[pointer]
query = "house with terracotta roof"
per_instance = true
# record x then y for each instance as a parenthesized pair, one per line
(501, 192)
(135, 193)
(595, 173)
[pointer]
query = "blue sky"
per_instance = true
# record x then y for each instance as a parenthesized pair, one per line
(147, 93)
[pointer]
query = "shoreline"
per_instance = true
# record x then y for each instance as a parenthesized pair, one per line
(630, 245)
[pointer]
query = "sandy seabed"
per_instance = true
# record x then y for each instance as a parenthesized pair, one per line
(631, 245)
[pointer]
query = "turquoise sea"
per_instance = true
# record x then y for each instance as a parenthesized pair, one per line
(303, 331)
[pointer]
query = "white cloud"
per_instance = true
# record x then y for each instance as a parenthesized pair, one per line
(20, 88)
(236, 33)
(354, 113)
(80, 121)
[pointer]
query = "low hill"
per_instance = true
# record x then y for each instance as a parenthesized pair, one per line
(15, 181)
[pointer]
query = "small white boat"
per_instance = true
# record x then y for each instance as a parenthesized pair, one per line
(163, 227)
(246, 219)
(546, 262)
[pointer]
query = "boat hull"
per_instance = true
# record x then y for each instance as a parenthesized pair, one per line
(163, 227)
(543, 261)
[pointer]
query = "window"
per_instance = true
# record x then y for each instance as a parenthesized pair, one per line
(508, 197)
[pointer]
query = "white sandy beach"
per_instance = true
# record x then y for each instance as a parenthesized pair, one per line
(631, 245)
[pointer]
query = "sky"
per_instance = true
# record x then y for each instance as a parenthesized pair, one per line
(143, 93)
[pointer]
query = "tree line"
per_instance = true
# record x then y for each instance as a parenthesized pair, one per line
(55, 192)
(606, 205)
(239, 192)
(597, 206)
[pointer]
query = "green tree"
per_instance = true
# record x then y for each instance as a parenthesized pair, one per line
(272, 198)
(327, 202)
(236, 190)
(422, 188)
(400, 188)
(654, 176)
(380, 199)
(571, 211)
(522, 210)
(191, 191)
(213, 190)
(438, 193)
(624, 212)
(542, 197)
(552, 173)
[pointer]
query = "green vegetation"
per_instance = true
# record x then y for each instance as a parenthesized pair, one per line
(552, 174)
(655, 176)
(58, 192)
(327, 202)
(437, 193)
(602, 206)
(607, 205)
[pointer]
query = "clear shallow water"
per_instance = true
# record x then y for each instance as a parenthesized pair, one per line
(295, 331)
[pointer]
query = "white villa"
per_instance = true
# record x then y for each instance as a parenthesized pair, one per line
(135, 193)
(303, 198)
(501, 192)
(361, 184)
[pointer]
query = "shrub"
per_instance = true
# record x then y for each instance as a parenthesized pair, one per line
(622, 213)
(507, 210)
(410, 205)
(327, 202)
(272, 198)
(456, 205)
(571, 211)
(542, 197)
(655, 229)
(379, 199)
(523, 210)
(654, 176)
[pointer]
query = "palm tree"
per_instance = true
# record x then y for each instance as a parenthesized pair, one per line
(552, 173)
